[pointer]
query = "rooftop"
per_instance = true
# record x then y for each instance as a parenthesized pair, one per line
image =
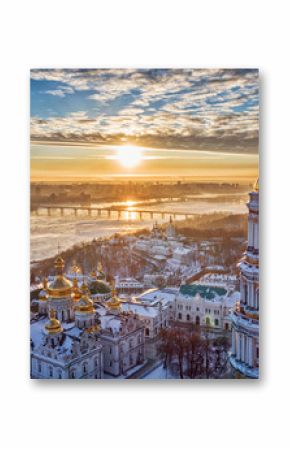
(205, 291)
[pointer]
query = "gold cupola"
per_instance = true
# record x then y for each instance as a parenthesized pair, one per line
(76, 290)
(53, 326)
(60, 286)
(85, 304)
(115, 302)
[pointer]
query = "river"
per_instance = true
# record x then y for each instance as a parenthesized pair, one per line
(47, 231)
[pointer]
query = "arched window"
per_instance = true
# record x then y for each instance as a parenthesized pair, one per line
(216, 322)
(197, 320)
(226, 326)
(85, 368)
(188, 317)
(147, 332)
(50, 370)
(73, 374)
(59, 374)
(180, 316)
(39, 366)
(96, 362)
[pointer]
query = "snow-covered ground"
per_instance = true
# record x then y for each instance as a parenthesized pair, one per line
(159, 373)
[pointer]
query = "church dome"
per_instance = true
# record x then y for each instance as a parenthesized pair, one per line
(85, 304)
(115, 302)
(60, 286)
(53, 326)
(76, 290)
(99, 287)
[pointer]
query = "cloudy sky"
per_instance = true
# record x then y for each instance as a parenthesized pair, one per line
(186, 122)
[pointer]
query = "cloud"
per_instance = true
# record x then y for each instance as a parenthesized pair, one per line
(164, 108)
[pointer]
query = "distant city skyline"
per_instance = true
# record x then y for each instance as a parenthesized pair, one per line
(164, 122)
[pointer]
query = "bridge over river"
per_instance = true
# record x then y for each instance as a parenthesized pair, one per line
(117, 212)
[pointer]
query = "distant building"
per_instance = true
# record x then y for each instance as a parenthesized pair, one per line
(128, 286)
(204, 305)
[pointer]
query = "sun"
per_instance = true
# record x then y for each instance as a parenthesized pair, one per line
(129, 156)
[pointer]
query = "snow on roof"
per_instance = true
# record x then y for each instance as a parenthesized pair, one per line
(37, 335)
(140, 309)
(110, 322)
(36, 331)
(155, 295)
(181, 250)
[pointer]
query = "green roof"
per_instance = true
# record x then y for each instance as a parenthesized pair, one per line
(205, 291)
(99, 287)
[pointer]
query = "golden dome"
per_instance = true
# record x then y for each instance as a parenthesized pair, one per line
(59, 263)
(85, 304)
(256, 185)
(53, 326)
(76, 290)
(115, 302)
(59, 287)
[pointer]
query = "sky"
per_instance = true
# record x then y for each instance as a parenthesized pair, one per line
(147, 122)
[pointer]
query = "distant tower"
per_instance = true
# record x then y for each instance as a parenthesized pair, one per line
(170, 229)
(245, 330)
(59, 291)
(84, 309)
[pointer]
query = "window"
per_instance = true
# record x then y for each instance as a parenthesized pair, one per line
(50, 370)
(180, 316)
(85, 368)
(227, 326)
(188, 317)
(96, 362)
(216, 322)
(147, 332)
(207, 321)
(197, 309)
(197, 321)
(59, 374)
(39, 366)
(73, 374)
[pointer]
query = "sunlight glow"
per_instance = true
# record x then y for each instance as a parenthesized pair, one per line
(129, 156)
